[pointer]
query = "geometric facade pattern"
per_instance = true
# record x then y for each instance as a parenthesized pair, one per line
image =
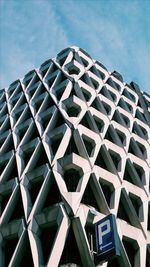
(74, 147)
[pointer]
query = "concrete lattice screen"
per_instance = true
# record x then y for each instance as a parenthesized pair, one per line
(74, 147)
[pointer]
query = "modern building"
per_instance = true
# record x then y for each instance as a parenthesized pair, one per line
(74, 148)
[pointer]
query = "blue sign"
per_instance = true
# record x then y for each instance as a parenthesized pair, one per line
(107, 240)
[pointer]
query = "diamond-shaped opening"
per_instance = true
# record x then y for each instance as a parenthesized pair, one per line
(89, 197)
(53, 66)
(107, 93)
(89, 144)
(18, 211)
(4, 200)
(46, 119)
(123, 212)
(102, 161)
(85, 78)
(136, 202)
(72, 177)
(128, 176)
(55, 142)
(48, 102)
(51, 78)
(95, 83)
(27, 80)
(47, 237)
(122, 136)
(139, 130)
(40, 91)
(126, 106)
(14, 99)
(86, 121)
(44, 67)
(73, 70)
(26, 115)
(140, 172)
(115, 136)
(32, 89)
(61, 57)
(34, 133)
(132, 147)
(9, 244)
(40, 158)
(12, 87)
(22, 100)
(6, 125)
(127, 94)
(99, 123)
(107, 108)
(61, 78)
(142, 149)
(18, 112)
(139, 115)
(108, 190)
(35, 80)
(58, 92)
(112, 95)
(97, 72)
(4, 110)
(116, 159)
(12, 172)
(109, 135)
(121, 119)
(135, 146)
(113, 84)
(147, 102)
(70, 255)
(2, 96)
(22, 130)
(84, 61)
(34, 188)
(3, 120)
(3, 165)
(73, 110)
(17, 91)
(53, 196)
(96, 104)
(86, 93)
(38, 102)
(26, 255)
(72, 147)
(131, 248)
(27, 155)
(59, 120)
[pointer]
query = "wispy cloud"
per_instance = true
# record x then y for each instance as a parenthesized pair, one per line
(115, 32)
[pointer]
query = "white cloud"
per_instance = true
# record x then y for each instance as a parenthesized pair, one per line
(117, 35)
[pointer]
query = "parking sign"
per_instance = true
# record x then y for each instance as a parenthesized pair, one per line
(107, 240)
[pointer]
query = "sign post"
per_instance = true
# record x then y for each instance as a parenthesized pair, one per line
(107, 240)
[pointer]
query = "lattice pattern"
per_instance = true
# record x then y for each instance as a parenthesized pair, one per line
(74, 147)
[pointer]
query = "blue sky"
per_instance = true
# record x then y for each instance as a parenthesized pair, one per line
(115, 32)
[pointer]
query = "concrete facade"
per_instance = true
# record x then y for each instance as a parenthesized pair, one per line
(74, 147)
